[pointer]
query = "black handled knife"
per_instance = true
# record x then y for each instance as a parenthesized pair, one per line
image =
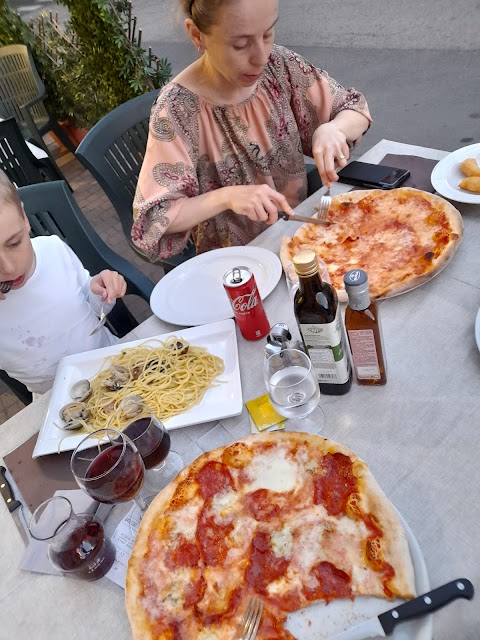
(14, 506)
(385, 623)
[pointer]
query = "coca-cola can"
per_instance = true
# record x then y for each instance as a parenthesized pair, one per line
(241, 288)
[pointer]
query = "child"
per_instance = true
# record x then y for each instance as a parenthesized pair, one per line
(49, 303)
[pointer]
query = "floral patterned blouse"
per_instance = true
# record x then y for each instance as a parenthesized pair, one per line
(195, 146)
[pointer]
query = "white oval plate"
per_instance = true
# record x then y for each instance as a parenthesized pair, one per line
(193, 294)
(447, 174)
(322, 621)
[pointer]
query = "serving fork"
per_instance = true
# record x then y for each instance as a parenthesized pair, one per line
(251, 620)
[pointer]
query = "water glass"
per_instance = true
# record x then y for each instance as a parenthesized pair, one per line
(77, 544)
(291, 383)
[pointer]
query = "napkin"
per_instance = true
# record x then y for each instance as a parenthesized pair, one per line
(36, 557)
(420, 170)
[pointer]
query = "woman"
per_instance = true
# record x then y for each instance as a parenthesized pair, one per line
(228, 134)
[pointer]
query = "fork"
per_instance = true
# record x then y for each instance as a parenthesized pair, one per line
(251, 620)
(323, 206)
(101, 321)
(6, 286)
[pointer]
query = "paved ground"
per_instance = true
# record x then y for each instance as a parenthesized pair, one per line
(417, 62)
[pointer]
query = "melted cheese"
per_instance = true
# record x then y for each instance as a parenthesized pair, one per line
(273, 471)
(282, 542)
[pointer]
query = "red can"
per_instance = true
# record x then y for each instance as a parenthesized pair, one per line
(246, 303)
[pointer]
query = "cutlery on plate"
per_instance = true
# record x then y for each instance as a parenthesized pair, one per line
(14, 506)
(297, 218)
(251, 620)
(385, 623)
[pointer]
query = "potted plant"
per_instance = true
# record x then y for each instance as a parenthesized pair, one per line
(91, 64)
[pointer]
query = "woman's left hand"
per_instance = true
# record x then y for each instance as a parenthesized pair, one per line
(110, 285)
(330, 150)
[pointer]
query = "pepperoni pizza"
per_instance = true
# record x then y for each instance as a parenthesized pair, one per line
(401, 238)
(291, 517)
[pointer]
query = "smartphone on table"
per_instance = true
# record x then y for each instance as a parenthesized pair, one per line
(375, 176)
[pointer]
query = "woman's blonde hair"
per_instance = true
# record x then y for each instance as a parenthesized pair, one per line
(204, 13)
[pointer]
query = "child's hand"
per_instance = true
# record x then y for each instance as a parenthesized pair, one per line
(109, 285)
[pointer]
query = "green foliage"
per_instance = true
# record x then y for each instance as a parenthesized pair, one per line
(93, 64)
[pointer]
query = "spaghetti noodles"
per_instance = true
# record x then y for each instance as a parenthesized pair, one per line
(170, 378)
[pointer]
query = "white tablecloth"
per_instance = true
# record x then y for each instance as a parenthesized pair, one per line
(418, 434)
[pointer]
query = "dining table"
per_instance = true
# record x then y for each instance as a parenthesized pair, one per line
(418, 434)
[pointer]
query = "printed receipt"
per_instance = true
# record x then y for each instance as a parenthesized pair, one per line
(123, 538)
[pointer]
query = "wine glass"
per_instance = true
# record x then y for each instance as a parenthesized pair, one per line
(152, 440)
(294, 390)
(109, 468)
(77, 544)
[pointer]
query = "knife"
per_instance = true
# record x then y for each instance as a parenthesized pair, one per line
(385, 623)
(14, 506)
(297, 218)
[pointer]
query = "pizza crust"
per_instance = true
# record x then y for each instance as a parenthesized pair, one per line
(395, 287)
(182, 491)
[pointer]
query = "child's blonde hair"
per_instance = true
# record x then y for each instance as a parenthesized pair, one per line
(8, 193)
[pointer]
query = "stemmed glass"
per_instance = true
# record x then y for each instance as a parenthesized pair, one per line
(293, 390)
(109, 468)
(152, 440)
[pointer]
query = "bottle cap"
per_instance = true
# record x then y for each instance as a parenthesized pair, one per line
(305, 262)
(356, 286)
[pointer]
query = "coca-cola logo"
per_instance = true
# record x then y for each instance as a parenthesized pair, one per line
(246, 302)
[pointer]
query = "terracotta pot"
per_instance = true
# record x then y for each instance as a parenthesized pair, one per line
(75, 134)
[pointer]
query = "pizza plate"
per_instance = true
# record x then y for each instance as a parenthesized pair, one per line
(447, 174)
(321, 621)
(358, 194)
(221, 401)
(193, 293)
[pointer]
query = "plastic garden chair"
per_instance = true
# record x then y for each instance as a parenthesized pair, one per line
(22, 93)
(113, 152)
(17, 160)
(51, 209)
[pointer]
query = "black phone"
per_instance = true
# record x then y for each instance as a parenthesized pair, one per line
(376, 176)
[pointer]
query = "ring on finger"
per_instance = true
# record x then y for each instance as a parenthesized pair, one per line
(341, 157)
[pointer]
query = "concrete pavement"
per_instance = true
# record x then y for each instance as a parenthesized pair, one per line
(417, 61)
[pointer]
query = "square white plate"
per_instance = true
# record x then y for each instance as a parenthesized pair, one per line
(221, 401)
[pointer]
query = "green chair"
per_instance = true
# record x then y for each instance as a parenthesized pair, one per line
(51, 210)
(17, 160)
(113, 152)
(22, 93)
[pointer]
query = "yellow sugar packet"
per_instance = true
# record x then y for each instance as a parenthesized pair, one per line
(263, 414)
(254, 430)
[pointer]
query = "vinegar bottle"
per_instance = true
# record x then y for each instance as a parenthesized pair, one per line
(364, 330)
(319, 320)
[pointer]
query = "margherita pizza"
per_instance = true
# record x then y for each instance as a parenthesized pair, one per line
(401, 238)
(291, 517)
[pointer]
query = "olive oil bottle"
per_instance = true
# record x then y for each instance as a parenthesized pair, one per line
(319, 320)
(364, 330)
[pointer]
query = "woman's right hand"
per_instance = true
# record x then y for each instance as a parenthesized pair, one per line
(258, 202)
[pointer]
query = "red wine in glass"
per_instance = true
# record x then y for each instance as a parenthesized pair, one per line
(86, 552)
(151, 439)
(114, 475)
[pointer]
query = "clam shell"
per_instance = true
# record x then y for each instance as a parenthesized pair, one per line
(81, 390)
(72, 413)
